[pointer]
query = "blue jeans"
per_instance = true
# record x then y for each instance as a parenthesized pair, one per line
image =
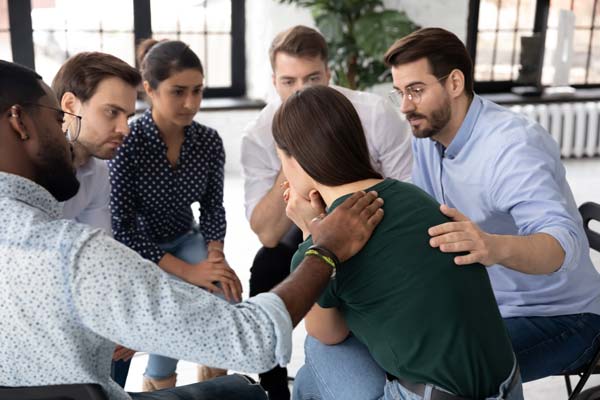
(190, 248)
(347, 371)
(543, 346)
(230, 387)
(552, 345)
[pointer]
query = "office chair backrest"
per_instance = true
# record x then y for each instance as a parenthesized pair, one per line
(591, 211)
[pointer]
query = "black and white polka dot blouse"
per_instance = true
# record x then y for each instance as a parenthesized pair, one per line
(151, 200)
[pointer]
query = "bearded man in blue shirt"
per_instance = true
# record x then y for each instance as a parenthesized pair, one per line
(498, 175)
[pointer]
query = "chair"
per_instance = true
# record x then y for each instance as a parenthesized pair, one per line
(54, 392)
(589, 211)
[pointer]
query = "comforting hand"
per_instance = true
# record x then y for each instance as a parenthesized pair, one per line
(122, 353)
(215, 269)
(346, 230)
(463, 235)
(300, 209)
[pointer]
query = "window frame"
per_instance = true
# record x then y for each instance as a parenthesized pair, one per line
(21, 37)
(540, 25)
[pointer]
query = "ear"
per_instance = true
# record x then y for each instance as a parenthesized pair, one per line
(148, 89)
(16, 122)
(70, 103)
(456, 83)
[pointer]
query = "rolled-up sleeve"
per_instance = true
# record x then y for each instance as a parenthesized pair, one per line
(129, 300)
(527, 183)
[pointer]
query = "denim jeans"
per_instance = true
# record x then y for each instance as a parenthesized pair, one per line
(230, 387)
(119, 370)
(347, 371)
(191, 248)
(552, 345)
(543, 346)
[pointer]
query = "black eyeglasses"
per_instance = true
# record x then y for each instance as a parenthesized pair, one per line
(71, 127)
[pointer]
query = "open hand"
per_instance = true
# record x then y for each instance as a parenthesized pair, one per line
(463, 235)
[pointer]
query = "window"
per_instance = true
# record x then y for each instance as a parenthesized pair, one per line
(214, 29)
(62, 28)
(5, 48)
(497, 26)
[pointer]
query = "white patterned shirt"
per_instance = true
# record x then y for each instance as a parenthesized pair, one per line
(69, 292)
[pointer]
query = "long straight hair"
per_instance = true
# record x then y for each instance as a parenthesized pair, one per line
(320, 128)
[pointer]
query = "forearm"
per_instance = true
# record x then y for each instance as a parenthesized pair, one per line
(268, 218)
(535, 254)
(302, 288)
(173, 265)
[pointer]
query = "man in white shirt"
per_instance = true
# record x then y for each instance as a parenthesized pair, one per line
(102, 89)
(299, 58)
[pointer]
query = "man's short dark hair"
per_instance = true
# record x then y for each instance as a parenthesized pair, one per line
(18, 85)
(82, 73)
(299, 41)
(442, 49)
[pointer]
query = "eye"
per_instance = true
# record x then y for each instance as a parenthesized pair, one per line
(418, 90)
(315, 79)
(198, 91)
(111, 112)
(178, 92)
(287, 82)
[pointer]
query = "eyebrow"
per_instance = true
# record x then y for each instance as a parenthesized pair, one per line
(185, 87)
(119, 108)
(410, 84)
(305, 76)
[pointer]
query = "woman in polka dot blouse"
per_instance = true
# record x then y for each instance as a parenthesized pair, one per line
(168, 162)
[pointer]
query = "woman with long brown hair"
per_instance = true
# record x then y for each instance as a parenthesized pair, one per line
(433, 328)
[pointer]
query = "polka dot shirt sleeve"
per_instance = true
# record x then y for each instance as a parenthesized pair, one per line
(124, 204)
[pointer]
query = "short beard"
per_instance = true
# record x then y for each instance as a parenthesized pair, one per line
(56, 174)
(438, 120)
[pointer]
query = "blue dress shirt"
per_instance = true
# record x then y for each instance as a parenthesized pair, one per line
(503, 171)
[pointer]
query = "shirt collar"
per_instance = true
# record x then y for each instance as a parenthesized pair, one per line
(27, 191)
(153, 131)
(466, 128)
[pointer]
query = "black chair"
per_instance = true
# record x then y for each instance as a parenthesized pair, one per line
(589, 211)
(54, 392)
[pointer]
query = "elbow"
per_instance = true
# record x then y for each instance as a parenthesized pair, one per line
(328, 337)
(266, 237)
(268, 241)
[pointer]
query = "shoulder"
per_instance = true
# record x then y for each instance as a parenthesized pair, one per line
(505, 129)
(362, 101)
(260, 128)
(204, 135)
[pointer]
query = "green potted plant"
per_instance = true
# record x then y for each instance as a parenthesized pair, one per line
(358, 32)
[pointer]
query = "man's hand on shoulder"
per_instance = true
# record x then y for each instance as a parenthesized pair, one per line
(346, 230)
(463, 235)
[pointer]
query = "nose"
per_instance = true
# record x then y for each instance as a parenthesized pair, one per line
(123, 126)
(406, 105)
(192, 102)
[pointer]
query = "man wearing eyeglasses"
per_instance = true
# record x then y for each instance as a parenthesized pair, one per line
(98, 93)
(498, 175)
(299, 58)
(69, 291)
